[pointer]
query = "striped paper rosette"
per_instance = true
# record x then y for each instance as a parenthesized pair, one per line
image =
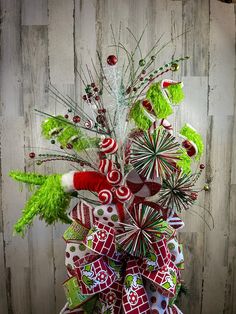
(155, 154)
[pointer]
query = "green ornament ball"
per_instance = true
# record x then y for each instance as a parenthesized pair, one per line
(142, 62)
(174, 67)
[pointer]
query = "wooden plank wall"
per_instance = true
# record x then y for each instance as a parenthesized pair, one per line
(47, 40)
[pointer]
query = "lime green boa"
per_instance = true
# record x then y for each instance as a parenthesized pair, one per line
(49, 202)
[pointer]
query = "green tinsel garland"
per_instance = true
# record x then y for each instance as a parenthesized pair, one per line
(66, 133)
(138, 115)
(161, 105)
(184, 162)
(27, 177)
(53, 124)
(175, 93)
(195, 137)
(85, 142)
(49, 201)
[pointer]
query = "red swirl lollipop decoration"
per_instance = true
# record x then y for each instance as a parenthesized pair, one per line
(114, 177)
(109, 146)
(123, 194)
(105, 196)
(105, 166)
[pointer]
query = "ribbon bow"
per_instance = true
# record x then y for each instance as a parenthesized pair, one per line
(120, 282)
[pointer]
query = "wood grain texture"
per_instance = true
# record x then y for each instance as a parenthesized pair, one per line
(10, 66)
(61, 45)
(16, 248)
(216, 241)
(3, 286)
(221, 73)
(50, 40)
(196, 36)
(35, 82)
(34, 12)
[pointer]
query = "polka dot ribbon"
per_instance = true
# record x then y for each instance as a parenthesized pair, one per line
(98, 267)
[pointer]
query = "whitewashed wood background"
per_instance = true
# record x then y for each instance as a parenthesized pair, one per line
(47, 40)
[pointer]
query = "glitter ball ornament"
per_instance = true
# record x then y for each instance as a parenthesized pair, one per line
(100, 119)
(174, 67)
(112, 60)
(194, 196)
(32, 155)
(206, 187)
(142, 62)
(76, 119)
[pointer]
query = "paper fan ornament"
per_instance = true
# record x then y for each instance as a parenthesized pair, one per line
(177, 191)
(146, 226)
(155, 155)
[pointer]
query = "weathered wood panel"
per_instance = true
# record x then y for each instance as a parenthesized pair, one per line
(34, 12)
(61, 45)
(216, 241)
(35, 82)
(196, 36)
(194, 111)
(16, 257)
(221, 60)
(66, 35)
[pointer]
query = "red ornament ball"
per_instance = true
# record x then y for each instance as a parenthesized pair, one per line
(32, 155)
(100, 119)
(202, 166)
(112, 60)
(66, 116)
(76, 119)
(194, 196)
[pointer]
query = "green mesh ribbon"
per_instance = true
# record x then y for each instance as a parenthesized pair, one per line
(161, 102)
(66, 133)
(161, 105)
(175, 93)
(49, 202)
(184, 161)
(188, 132)
(52, 126)
(138, 115)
